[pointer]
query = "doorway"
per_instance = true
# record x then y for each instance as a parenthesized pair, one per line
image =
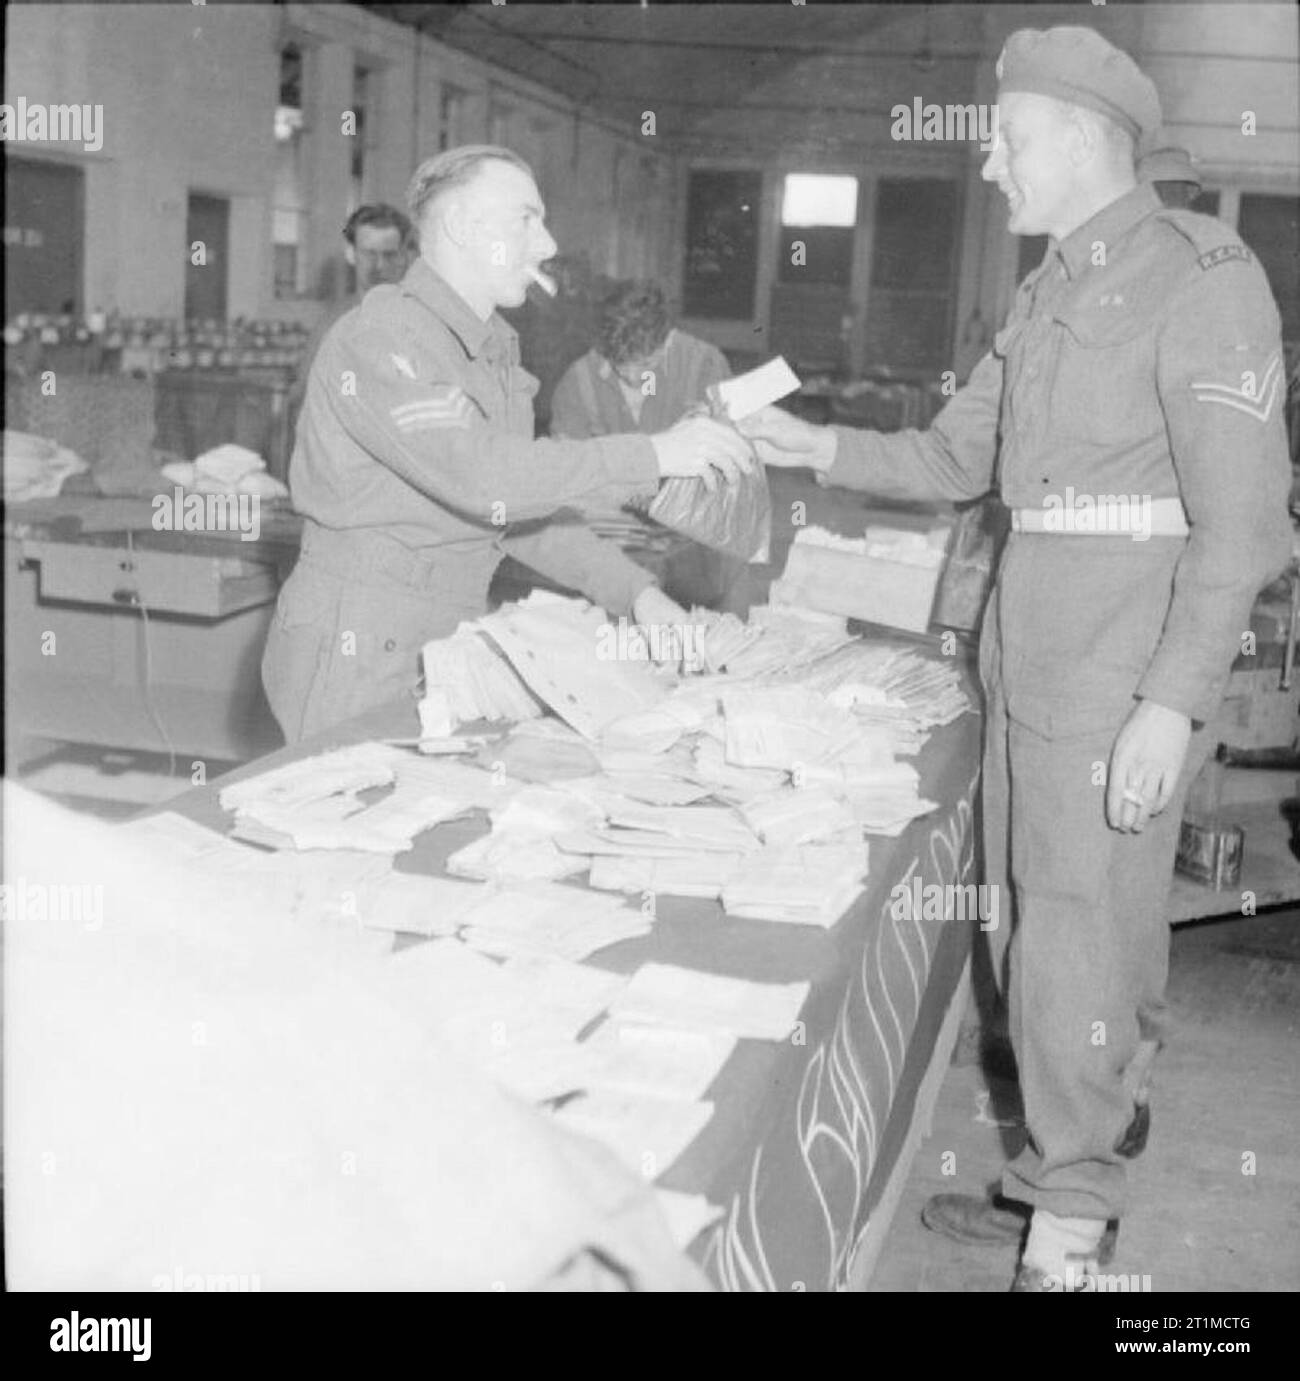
(207, 221)
(44, 234)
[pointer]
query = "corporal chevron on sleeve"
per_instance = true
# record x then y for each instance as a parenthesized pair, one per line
(444, 406)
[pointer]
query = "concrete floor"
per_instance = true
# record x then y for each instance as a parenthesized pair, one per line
(1227, 1085)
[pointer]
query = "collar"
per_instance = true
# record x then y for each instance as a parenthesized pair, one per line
(424, 283)
(1110, 225)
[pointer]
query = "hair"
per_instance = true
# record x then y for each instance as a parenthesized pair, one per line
(1119, 145)
(379, 214)
(454, 168)
(632, 321)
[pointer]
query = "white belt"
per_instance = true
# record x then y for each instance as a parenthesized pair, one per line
(1123, 517)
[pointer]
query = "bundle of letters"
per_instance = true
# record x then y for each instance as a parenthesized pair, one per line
(753, 784)
(625, 1058)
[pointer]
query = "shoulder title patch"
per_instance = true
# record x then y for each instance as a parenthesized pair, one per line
(1223, 254)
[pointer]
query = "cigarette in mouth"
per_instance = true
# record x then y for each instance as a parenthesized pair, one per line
(544, 281)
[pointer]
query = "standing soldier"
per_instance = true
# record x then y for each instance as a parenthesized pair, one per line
(1170, 169)
(415, 467)
(379, 243)
(1130, 416)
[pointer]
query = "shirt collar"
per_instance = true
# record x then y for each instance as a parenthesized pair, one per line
(1109, 225)
(427, 285)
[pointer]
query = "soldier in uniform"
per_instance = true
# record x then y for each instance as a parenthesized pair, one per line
(1170, 169)
(1130, 417)
(415, 466)
(379, 243)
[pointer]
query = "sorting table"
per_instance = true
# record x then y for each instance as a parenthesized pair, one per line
(811, 1138)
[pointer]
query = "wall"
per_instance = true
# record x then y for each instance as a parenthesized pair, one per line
(173, 118)
(189, 95)
(1210, 63)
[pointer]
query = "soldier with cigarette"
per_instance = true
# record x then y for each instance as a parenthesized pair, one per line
(415, 467)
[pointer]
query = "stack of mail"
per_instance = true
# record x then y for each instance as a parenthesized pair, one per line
(574, 994)
(726, 638)
(813, 884)
(788, 639)
(636, 831)
(315, 804)
(415, 904)
(890, 684)
(466, 679)
(545, 920)
(522, 842)
(345, 770)
(556, 647)
(472, 786)
(499, 1017)
(791, 728)
(647, 1134)
(700, 875)
(658, 1061)
(711, 768)
(665, 995)
(800, 815)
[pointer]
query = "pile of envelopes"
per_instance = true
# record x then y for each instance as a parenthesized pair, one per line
(752, 784)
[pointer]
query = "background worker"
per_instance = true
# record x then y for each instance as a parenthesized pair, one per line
(415, 467)
(644, 374)
(1170, 169)
(379, 243)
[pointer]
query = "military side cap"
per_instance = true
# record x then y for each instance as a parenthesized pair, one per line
(1161, 161)
(1077, 65)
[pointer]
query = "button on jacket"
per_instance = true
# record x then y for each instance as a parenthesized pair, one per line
(415, 470)
(1142, 358)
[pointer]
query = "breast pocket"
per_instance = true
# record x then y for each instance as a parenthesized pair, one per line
(1105, 385)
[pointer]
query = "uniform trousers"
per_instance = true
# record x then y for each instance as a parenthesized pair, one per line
(1085, 955)
(353, 616)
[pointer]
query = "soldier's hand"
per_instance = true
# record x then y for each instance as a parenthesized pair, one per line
(664, 622)
(701, 448)
(782, 439)
(1145, 764)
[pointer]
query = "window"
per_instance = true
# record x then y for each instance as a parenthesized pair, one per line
(817, 199)
(500, 123)
(913, 275)
(361, 93)
(451, 116)
(44, 236)
(819, 216)
(1031, 251)
(721, 244)
(288, 208)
